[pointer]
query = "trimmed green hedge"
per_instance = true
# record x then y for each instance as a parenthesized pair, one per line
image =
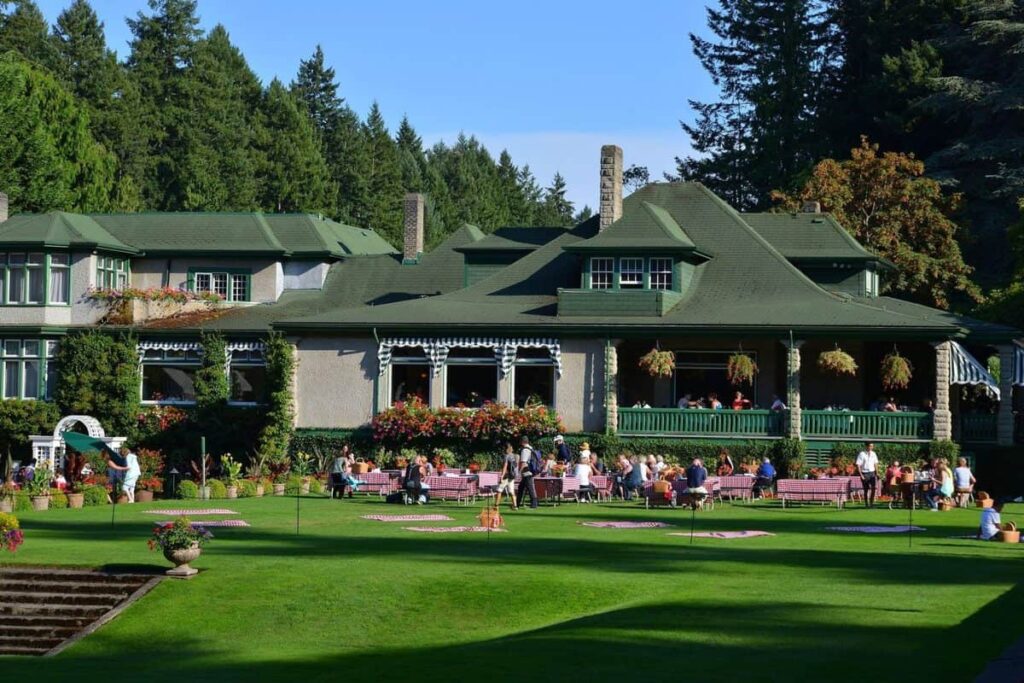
(218, 490)
(94, 496)
(247, 488)
(188, 490)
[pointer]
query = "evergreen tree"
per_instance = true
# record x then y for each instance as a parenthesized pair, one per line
(514, 208)
(767, 63)
(294, 174)
(383, 211)
(24, 31)
(48, 158)
(411, 159)
(556, 211)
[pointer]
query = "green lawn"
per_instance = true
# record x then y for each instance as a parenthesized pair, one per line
(350, 599)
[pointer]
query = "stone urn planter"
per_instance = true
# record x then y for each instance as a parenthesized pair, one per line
(181, 558)
(231, 491)
(278, 489)
(76, 500)
(143, 496)
(7, 505)
(40, 503)
(204, 493)
(259, 490)
(304, 489)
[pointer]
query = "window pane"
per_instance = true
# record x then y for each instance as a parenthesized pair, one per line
(16, 287)
(220, 284)
(12, 347)
(471, 385)
(631, 273)
(202, 282)
(601, 273)
(239, 288)
(661, 273)
(59, 280)
(248, 383)
(59, 259)
(35, 259)
(122, 280)
(168, 383)
(51, 349)
(535, 384)
(31, 379)
(30, 347)
(11, 378)
(51, 379)
(408, 379)
(17, 259)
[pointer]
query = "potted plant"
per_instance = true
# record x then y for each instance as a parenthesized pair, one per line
(11, 535)
(443, 459)
(896, 371)
(147, 488)
(181, 543)
(280, 482)
(658, 363)
(38, 490)
(740, 369)
(302, 466)
(74, 465)
(232, 470)
(837, 362)
(151, 464)
(7, 492)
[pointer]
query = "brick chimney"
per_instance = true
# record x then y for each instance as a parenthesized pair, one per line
(811, 207)
(415, 209)
(3, 207)
(611, 185)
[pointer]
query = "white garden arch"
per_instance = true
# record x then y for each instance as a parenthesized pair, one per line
(48, 449)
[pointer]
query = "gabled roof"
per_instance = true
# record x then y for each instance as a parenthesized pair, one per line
(515, 239)
(644, 226)
(180, 233)
(58, 229)
(303, 234)
(807, 236)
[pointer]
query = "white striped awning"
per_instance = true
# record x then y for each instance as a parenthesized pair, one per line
(1018, 365)
(150, 345)
(436, 350)
(965, 369)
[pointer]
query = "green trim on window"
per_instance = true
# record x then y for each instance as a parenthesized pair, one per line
(230, 273)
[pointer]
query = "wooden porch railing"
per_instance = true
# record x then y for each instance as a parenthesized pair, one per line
(846, 424)
(695, 422)
(978, 428)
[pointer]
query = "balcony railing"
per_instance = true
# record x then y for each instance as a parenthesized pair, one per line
(978, 428)
(846, 424)
(695, 422)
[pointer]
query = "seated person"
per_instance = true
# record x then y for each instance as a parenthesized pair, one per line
(991, 527)
(890, 406)
(893, 477)
(414, 481)
(765, 476)
(696, 476)
(963, 478)
(943, 485)
(713, 401)
(685, 402)
(778, 405)
(725, 464)
(739, 402)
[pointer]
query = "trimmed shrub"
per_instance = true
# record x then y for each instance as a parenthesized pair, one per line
(950, 450)
(188, 490)
(22, 502)
(293, 486)
(316, 486)
(246, 488)
(58, 501)
(94, 496)
(217, 488)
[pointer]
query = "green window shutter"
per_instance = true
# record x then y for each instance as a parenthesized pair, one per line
(190, 281)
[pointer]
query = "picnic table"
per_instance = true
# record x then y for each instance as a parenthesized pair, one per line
(814, 490)
(737, 486)
(459, 488)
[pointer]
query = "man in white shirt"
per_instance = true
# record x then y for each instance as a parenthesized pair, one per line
(991, 528)
(778, 405)
(867, 468)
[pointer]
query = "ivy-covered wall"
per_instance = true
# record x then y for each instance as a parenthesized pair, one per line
(98, 374)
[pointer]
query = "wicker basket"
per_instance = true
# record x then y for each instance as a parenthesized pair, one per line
(1010, 536)
(662, 486)
(946, 505)
(360, 468)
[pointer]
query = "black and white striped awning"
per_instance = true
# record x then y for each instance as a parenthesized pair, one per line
(144, 346)
(965, 369)
(436, 350)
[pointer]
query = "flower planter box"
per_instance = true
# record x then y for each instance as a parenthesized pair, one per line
(76, 500)
(260, 490)
(304, 489)
(7, 505)
(278, 489)
(143, 496)
(231, 491)
(40, 503)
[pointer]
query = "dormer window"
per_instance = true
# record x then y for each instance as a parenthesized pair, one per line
(661, 273)
(631, 273)
(602, 273)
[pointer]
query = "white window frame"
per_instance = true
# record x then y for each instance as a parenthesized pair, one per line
(533, 362)
(251, 358)
(20, 356)
(661, 272)
(635, 271)
(479, 361)
(189, 359)
(595, 261)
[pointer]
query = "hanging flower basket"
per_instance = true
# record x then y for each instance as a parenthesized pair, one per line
(740, 369)
(896, 371)
(838, 362)
(658, 363)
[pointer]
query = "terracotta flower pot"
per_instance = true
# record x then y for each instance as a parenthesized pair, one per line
(143, 496)
(180, 558)
(76, 500)
(232, 491)
(259, 490)
(40, 503)
(122, 499)
(278, 489)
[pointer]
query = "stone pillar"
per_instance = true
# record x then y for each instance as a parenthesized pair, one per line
(413, 227)
(611, 185)
(1004, 421)
(611, 388)
(793, 386)
(437, 389)
(4, 207)
(942, 428)
(505, 388)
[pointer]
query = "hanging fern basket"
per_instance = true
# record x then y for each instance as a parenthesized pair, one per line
(740, 369)
(657, 363)
(837, 362)
(896, 371)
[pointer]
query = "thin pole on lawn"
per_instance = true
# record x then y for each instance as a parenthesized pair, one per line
(202, 465)
(910, 519)
(693, 518)
(297, 491)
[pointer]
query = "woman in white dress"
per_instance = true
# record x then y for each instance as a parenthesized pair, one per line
(131, 474)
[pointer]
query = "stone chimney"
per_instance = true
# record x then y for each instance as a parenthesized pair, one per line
(415, 209)
(3, 207)
(811, 207)
(611, 185)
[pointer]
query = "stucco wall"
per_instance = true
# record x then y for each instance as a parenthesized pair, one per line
(579, 392)
(82, 311)
(305, 274)
(267, 274)
(335, 381)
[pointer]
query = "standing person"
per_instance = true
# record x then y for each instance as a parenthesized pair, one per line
(867, 468)
(696, 475)
(526, 467)
(507, 482)
(582, 472)
(562, 451)
(132, 472)
(338, 475)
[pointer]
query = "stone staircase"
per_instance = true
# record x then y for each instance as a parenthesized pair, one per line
(45, 609)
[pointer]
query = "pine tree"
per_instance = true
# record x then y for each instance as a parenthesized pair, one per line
(383, 211)
(766, 62)
(556, 211)
(24, 31)
(411, 159)
(48, 158)
(294, 174)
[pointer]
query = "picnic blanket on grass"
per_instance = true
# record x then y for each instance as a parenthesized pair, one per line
(408, 518)
(452, 529)
(723, 534)
(626, 525)
(221, 522)
(191, 513)
(876, 529)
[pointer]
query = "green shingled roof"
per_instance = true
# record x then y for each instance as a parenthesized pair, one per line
(807, 236)
(515, 239)
(308, 235)
(58, 229)
(181, 233)
(745, 285)
(645, 227)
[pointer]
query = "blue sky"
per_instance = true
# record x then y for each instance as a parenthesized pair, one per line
(550, 81)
